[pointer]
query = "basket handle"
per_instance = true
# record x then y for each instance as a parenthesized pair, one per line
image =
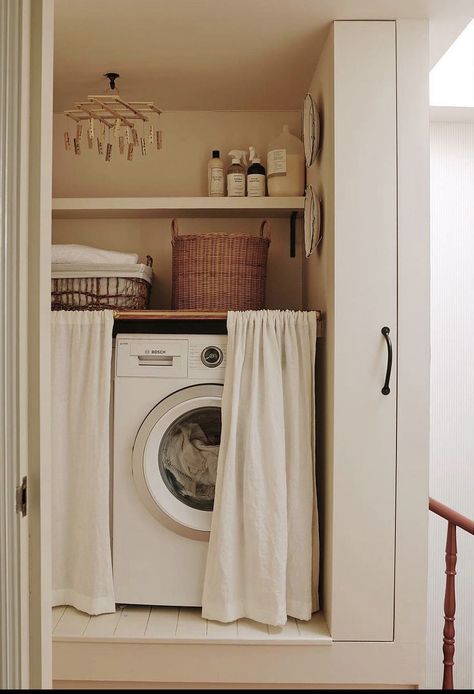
(265, 225)
(174, 229)
(149, 261)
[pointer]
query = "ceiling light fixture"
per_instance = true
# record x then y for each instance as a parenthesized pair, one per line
(112, 120)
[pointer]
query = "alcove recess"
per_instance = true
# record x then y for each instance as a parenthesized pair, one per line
(372, 452)
(174, 179)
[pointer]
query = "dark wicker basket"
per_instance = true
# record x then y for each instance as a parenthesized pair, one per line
(99, 293)
(219, 272)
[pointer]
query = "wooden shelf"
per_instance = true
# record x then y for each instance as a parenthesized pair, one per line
(146, 643)
(164, 314)
(151, 314)
(168, 315)
(146, 624)
(93, 208)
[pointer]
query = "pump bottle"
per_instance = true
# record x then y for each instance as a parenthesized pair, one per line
(236, 174)
(255, 176)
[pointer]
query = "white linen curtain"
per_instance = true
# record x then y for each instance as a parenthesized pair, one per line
(264, 551)
(81, 349)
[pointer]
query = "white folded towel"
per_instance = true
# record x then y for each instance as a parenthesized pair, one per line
(76, 254)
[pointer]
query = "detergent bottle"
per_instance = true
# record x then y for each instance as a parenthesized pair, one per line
(286, 165)
(215, 175)
(236, 174)
(255, 176)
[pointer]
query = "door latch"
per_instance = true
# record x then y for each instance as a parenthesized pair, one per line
(21, 497)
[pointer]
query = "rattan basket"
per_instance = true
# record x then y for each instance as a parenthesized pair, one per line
(96, 287)
(219, 272)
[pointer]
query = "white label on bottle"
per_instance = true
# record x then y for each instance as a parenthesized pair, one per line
(236, 185)
(216, 182)
(276, 162)
(255, 185)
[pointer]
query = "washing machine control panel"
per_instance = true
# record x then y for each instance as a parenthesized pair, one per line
(171, 356)
(207, 354)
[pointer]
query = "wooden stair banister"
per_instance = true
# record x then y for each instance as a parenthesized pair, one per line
(455, 520)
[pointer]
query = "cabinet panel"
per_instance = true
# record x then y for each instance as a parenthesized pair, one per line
(365, 301)
(353, 278)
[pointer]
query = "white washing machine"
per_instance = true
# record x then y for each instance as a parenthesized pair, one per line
(167, 422)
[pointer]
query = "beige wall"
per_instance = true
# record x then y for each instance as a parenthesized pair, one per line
(179, 169)
(153, 237)
(452, 381)
(318, 293)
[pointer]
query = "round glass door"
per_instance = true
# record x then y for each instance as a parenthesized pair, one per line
(174, 462)
(187, 456)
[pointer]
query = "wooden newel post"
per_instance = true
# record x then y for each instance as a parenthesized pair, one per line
(449, 607)
(455, 520)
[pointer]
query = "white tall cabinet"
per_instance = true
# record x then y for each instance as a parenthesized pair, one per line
(355, 87)
(371, 271)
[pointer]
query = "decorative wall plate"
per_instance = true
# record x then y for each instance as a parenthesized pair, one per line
(312, 221)
(310, 129)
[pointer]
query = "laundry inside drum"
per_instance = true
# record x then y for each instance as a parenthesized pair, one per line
(188, 454)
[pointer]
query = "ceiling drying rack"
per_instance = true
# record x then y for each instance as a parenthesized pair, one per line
(115, 116)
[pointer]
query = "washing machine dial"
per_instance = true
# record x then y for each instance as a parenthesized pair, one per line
(212, 356)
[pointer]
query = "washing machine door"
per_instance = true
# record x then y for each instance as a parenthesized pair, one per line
(174, 461)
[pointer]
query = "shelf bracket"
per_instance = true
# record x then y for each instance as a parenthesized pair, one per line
(293, 216)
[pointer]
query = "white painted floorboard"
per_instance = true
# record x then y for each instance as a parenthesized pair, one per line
(57, 614)
(191, 624)
(163, 623)
(288, 631)
(221, 630)
(132, 622)
(103, 625)
(247, 629)
(72, 622)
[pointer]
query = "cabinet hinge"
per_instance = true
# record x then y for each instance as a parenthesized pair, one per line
(21, 497)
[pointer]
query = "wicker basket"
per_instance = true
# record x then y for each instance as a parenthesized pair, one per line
(101, 287)
(219, 272)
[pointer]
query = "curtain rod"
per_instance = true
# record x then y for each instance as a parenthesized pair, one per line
(175, 315)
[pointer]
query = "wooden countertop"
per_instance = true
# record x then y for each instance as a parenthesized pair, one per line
(174, 315)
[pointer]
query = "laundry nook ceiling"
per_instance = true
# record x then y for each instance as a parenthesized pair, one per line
(215, 54)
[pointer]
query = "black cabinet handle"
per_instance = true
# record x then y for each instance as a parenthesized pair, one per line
(386, 334)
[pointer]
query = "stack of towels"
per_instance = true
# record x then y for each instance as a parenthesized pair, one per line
(75, 254)
(84, 276)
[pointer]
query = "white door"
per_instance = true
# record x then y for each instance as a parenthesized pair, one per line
(352, 276)
(26, 42)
